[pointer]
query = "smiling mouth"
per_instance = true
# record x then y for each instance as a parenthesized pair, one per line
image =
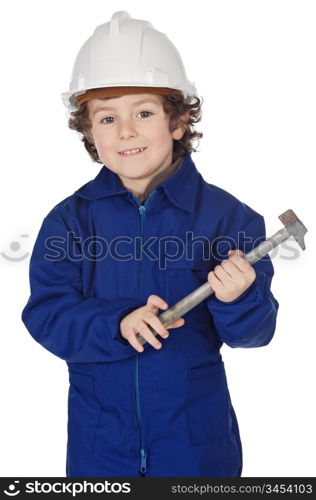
(132, 152)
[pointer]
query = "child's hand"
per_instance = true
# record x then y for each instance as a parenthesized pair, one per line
(232, 277)
(137, 322)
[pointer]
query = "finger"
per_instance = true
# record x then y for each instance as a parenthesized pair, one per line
(149, 336)
(178, 322)
(221, 273)
(154, 301)
(216, 283)
(231, 268)
(134, 343)
(236, 252)
(242, 264)
(156, 324)
(152, 308)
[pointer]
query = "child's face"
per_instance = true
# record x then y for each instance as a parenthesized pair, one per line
(124, 123)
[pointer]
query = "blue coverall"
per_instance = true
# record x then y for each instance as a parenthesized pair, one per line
(164, 412)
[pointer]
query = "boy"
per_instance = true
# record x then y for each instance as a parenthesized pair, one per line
(144, 233)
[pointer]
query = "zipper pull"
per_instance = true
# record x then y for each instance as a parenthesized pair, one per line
(143, 461)
(141, 209)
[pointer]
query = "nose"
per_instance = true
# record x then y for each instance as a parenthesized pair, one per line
(127, 128)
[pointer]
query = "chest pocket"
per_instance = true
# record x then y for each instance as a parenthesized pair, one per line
(207, 404)
(197, 262)
(181, 277)
(84, 412)
(183, 269)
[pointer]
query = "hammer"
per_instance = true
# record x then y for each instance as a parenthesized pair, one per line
(293, 227)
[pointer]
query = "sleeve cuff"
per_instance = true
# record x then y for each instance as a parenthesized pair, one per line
(114, 315)
(254, 293)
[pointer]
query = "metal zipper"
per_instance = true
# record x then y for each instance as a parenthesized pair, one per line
(143, 460)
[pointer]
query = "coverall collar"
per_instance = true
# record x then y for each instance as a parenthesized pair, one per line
(180, 187)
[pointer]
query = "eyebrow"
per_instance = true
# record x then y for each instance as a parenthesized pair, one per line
(110, 108)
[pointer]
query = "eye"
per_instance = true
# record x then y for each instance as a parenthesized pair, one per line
(148, 112)
(106, 118)
(106, 122)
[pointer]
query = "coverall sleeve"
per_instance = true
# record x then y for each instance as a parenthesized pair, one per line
(58, 316)
(250, 319)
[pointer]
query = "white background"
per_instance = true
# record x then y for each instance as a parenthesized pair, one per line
(253, 63)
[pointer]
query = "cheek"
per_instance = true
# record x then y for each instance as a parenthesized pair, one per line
(161, 137)
(102, 141)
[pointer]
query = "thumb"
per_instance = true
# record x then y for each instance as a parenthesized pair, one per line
(235, 252)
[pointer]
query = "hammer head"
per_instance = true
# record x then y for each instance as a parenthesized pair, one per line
(294, 226)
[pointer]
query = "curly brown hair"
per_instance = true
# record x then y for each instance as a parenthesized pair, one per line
(174, 105)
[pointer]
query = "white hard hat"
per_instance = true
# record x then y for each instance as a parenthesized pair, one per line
(127, 52)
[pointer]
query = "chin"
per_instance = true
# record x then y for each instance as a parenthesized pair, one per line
(138, 175)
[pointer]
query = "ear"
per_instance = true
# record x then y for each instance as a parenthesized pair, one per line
(179, 132)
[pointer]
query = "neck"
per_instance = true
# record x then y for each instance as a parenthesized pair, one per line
(139, 187)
